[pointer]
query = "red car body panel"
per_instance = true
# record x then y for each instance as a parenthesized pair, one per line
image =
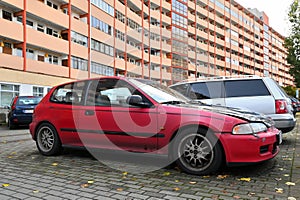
(147, 129)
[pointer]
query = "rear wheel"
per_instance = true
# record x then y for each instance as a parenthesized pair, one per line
(197, 152)
(47, 140)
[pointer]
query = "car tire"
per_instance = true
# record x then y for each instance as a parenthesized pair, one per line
(10, 125)
(197, 151)
(47, 140)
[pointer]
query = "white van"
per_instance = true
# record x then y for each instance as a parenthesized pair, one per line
(254, 93)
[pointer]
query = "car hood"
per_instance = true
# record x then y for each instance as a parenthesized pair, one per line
(246, 115)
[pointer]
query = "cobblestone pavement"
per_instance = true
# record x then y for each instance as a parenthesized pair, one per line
(25, 174)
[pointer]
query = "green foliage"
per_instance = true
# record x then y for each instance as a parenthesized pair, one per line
(292, 43)
(290, 90)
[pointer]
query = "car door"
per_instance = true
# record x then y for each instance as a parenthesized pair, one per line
(109, 122)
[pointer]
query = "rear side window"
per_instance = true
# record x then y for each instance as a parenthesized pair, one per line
(71, 93)
(209, 90)
(240, 88)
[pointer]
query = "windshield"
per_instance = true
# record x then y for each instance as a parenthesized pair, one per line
(158, 92)
(28, 100)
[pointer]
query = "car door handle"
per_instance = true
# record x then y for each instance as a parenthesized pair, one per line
(89, 112)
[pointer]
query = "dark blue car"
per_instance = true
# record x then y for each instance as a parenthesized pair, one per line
(21, 110)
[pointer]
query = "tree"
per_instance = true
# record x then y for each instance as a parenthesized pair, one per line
(292, 43)
(290, 90)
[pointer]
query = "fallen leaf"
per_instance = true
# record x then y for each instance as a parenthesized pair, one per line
(245, 179)
(54, 164)
(222, 176)
(291, 198)
(236, 197)
(279, 190)
(167, 173)
(278, 179)
(193, 182)
(120, 189)
(85, 185)
(9, 157)
(35, 191)
(290, 183)
(5, 185)
(13, 153)
(90, 182)
(176, 181)
(205, 176)
(251, 193)
(285, 159)
(281, 169)
(286, 175)
(176, 189)
(125, 173)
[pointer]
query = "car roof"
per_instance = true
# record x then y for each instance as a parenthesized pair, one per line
(219, 78)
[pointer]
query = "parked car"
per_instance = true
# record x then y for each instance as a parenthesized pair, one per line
(258, 94)
(21, 109)
(295, 104)
(139, 115)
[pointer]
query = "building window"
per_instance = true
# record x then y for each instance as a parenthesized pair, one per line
(6, 15)
(19, 52)
(7, 92)
(29, 23)
(38, 91)
(52, 59)
(98, 68)
(52, 5)
(103, 6)
(103, 48)
(40, 28)
(79, 63)
(30, 54)
(79, 39)
(102, 26)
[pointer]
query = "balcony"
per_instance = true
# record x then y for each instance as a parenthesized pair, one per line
(79, 50)
(102, 58)
(79, 27)
(12, 62)
(9, 29)
(46, 41)
(82, 5)
(41, 10)
(79, 74)
(46, 68)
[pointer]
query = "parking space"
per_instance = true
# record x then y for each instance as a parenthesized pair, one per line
(25, 174)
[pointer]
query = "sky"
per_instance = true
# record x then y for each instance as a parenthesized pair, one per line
(276, 10)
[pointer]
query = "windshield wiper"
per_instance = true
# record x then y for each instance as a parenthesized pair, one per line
(173, 102)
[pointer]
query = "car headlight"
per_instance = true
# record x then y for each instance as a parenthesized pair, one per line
(250, 128)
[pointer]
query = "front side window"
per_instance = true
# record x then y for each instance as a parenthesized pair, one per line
(71, 93)
(109, 92)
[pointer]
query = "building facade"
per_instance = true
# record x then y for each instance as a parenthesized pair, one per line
(47, 42)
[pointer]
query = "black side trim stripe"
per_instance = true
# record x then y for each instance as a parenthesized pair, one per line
(146, 135)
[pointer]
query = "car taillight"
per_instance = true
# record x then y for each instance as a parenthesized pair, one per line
(281, 106)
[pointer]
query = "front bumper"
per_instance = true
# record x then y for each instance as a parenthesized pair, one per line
(251, 148)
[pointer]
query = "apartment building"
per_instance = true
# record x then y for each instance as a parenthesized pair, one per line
(47, 42)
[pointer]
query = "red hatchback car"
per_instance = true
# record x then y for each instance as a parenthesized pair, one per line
(139, 115)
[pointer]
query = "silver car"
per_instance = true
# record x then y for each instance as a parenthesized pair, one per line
(254, 93)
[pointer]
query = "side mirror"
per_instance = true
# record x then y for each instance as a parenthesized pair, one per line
(137, 100)
(6, 107)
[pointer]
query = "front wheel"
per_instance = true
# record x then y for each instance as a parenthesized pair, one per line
(197, 152)
(47, 140)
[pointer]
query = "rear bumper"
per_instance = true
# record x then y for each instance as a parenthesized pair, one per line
(250, 148)
(21, 119)
(284, 122)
